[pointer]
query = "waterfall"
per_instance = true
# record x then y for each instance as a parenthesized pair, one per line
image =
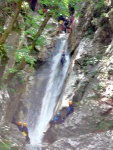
(53, 90)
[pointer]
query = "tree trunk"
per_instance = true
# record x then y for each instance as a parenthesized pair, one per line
(2, 69)
(10, 26)
(8, 30)
(41, 28)
(111, 2)
(21, 64)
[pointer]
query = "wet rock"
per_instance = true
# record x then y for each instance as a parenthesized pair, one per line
(11, 135)
(110, 14)
(90, 141)
(110, 69)
(31, 78)
(104, 108)
(81, 87)
(94, 22)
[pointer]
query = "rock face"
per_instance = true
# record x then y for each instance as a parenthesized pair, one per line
(11, 102)
(90, 141)
(89, 81)
(89, 84)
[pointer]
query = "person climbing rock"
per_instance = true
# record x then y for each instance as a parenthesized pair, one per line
(33, 4)
(18, 124)
(25, 132)
(57, 119)
(70, 108)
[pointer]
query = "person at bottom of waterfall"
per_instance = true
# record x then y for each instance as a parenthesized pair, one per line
(25, 132)
(57, 119)
(18, 124)
(70, 108)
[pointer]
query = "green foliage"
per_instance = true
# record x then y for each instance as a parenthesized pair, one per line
(111, 97)
(2, 50)
(22, 76)
(78, 14)
(90, 61)
(3, 86)
(100, 4)
(1, 28)
(66, 3)
(61, 6)
(105, 125)
(5, 147)
(12, 90)
(49, 26)
(95, 96)
(9, 1)
(24, 52)
(12, 70)
(31, 33)
(40, 41)
(99, 87)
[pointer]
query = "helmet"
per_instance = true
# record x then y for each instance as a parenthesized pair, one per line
(63, 50)
(70, 102)
(25, 124)
(19, 123)
(61, 22)
(58, 114)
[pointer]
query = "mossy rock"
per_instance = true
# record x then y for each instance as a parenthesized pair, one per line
(5, 146)
(14, 148)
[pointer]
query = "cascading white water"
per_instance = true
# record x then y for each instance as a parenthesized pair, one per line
(53, 90)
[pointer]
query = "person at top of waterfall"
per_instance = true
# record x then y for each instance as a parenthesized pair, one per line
(61, 18)
(71, 9)
(18, 124)
(70, 108)
(44, 9)
(25, 132)
(65, 24)
(33, 4)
